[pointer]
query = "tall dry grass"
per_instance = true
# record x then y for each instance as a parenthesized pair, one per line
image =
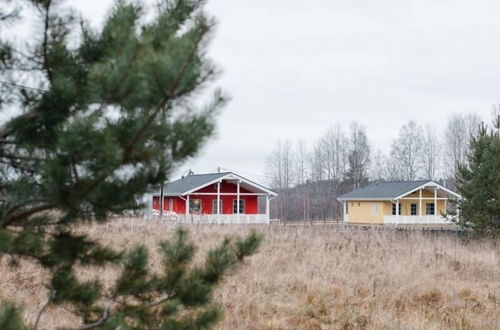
(308, 278)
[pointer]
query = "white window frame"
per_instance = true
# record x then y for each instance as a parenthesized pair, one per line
(411, 209)
(242, 206)
(427, 206)
(190, 208)
(375, 208)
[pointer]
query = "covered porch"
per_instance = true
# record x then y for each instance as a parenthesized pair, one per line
(426, 205)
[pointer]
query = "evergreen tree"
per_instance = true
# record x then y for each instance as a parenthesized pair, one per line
(478, 181)
(108, 113)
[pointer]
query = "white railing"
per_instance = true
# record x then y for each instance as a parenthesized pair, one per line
(223, 218)
(416, 219)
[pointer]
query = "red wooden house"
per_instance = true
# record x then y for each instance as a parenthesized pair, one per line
(215, 197)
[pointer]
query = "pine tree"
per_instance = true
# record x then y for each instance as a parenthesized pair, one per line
(108, 113)
(478, 181)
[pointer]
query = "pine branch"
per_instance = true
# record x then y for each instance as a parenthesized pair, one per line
(24, 214)
(168, 94)
(102, 320)
(44, 308)
(127, 71)
(160, 301)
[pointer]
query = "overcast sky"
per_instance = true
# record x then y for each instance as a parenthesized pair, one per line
(294, 68)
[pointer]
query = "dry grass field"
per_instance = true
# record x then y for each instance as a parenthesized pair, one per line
(309, 278)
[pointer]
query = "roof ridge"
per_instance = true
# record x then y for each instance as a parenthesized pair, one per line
(206, 174)
(405, 181)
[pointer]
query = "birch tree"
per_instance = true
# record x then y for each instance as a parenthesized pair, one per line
(460, 128)
(335, 153)
(300, 158)
(279, 165)
(359, 156)
(317, 163)
(406, 151)
(430, 155)
(377, 167)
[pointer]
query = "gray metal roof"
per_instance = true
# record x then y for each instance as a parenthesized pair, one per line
(193, 181)
(189, 182)
(383, 190)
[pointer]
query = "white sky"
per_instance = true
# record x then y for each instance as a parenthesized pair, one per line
(294, 68)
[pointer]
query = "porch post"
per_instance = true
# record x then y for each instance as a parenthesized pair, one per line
(187, 205)
(397, 210)
(420, 203)
(435, 201)
(238, 199)
(218, 198)
(162, 200)
(267, 207)
(344, 207)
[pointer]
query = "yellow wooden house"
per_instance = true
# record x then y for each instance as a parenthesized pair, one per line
(410, 202)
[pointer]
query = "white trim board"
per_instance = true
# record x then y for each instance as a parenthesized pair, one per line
(231, 176)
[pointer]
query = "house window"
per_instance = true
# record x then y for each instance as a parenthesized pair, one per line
(394, 209)
(214, 206)
(171, 204)
(413, 209)
(242, 206)
(374, 208)
(194, 205)
(429, 209)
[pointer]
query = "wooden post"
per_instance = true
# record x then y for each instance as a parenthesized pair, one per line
(161, 200)
(218, 198)
(187, 205)
(344, 218)
(435, 201)
(238, 199)
(397, 210)
(267, 207)
(420, 203)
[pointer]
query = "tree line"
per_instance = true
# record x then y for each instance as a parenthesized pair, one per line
(309, 178)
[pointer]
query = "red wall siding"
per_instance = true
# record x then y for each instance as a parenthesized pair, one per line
(179, 205)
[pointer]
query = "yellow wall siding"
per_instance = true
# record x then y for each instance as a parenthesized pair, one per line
(425, 193)
(361, 211)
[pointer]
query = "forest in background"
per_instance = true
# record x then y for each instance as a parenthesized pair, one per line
(310, 178)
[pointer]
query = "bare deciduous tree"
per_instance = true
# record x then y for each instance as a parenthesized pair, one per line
(317, 163)
(430, 155)
(458, 131)
(406, 151)
(279, 165)
(378, 167)
(359, 156)
(335, 153)
(300, 158)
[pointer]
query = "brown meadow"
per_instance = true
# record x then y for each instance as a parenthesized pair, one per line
(312, 278)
